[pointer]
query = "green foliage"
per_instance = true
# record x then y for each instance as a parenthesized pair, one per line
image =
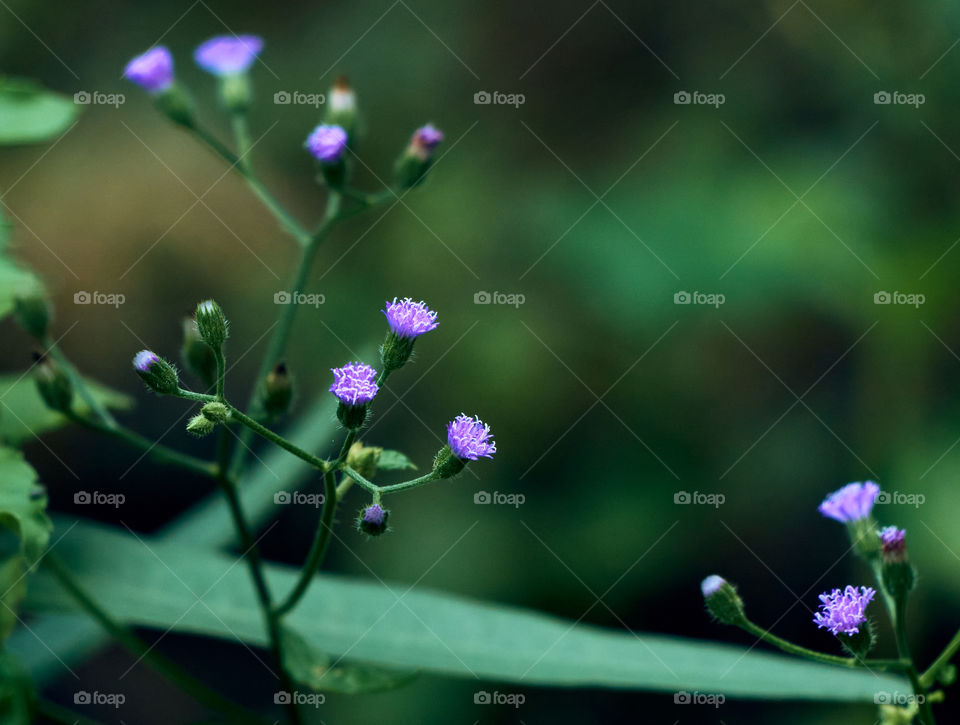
(29, 113)
(16, 693)
(395, 461)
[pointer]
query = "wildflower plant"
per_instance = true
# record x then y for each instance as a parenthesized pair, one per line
(846, 613)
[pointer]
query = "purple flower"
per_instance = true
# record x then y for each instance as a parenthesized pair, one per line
(354, 384)
(469, 438)
(228, 54)
(373, 519)
(711, 585)
(327, 143)
(144, 360)
(843, 611)
(152, 71)
(853, 502)
(893, 542)
(427, 137)
(410, 319)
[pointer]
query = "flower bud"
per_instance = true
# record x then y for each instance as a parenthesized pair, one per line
(159, 375)
(898, 574)
(200, 425)
(211, 324)
(176, 104)
(844, 613)
(53, 384)
(407, 320)
(215, 412)
(852, 505)
(33, 314)
(467, 440)
(342, 107)
(373, 519)
(196, 354)
(722, 600)
(364, 459)
(416, 160)
(277, 391)
(328, 145)
(229, 57)
(355, 386)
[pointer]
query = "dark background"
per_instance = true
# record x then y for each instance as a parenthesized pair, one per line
(692, 397)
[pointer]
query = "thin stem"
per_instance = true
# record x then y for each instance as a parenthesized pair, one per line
(345, 484)
(277, 439)
(221, 372)
(318, 550)
(364, 483)
(925, 715)
(928, 678)
(241, 133)
(795, 649)
(413, 483)
(197, 397)
(344, 449)
(78, 383)
(189, 684)
(157, 451)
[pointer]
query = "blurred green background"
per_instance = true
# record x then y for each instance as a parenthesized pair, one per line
(598, 199)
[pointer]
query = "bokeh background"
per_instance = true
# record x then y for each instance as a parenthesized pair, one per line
(598, 199)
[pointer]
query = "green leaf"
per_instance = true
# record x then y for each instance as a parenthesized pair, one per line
(15, 280)
(30, 113)
(436, 632)
(319, 672)
(394, 461)
(24, 532)
(16, 693)
(23, 413)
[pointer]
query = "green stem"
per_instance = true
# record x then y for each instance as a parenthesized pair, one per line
(345, 484)
(78, 383)
(413, 483)
(189, 684)
(157, 451)
(277, 439)
(241, 133)
(929, 678)
(344, 449)
(795, 649)
(364, 483)
(925, 715)
(318, 550)
(221, 372)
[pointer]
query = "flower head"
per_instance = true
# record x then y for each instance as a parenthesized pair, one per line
(843, 611)
(469, 438)
(711, 585)
(152, 71)
(427, 137)
(144, 360)
(159, 375)
(853, 502)
(373, 519)
(354, 384)
(893, 544)
(410, 319)
(228, 54)
(326, 143)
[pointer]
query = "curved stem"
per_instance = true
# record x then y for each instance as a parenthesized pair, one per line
(413, 483)
(364, 483)
(318, 550)
(795, 649)
(157, 451)
(189, 684)
(277, 439)
(928, 678)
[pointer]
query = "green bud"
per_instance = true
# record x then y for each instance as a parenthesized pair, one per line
(364, 459)
(447, 464)
(277, 391)
(235, 92)
(722, 600)
(352, 416)
(211, 324)
(53, 384)
(335, 174)
(863, 536)
(898, 578)
(395, 351)
(861, 643)
(159, 375)
(33, 314)
(175, 102)
(196, 354)
(342, 107)
(215, 412)
(200, 425)
(373, 519)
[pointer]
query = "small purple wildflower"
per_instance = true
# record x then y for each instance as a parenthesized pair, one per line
(144, 360)
(711, 585)
(469, 438)
(152, 71)
(410, 319)
(427, 137)
(374, 514)
(843, 611)
(853, 502)
(228, 54)
(354, 384)
(893, 542)
(326, 143)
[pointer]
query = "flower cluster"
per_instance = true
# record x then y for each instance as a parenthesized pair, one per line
(844, 611)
